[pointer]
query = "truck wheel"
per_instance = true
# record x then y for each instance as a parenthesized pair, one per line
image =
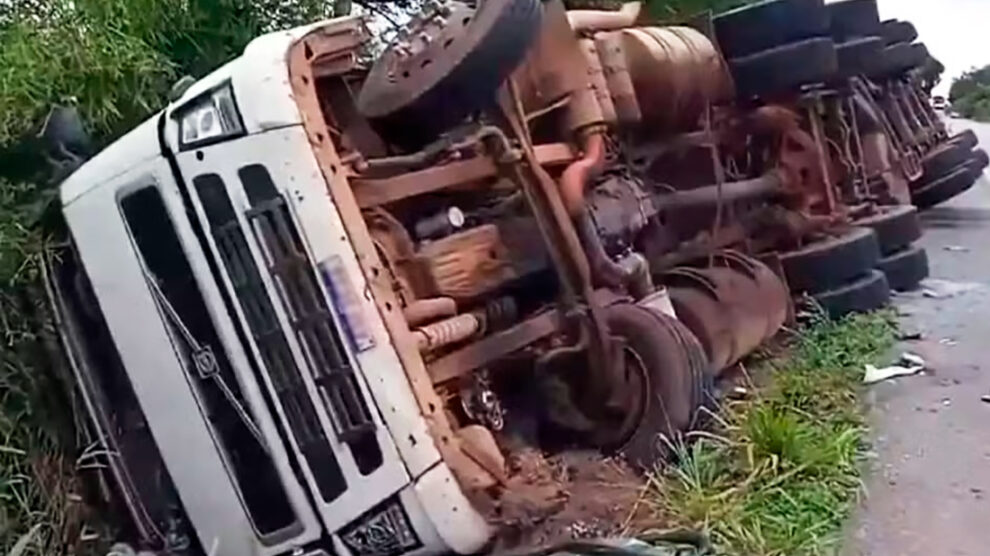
(412, 99)
(905, 269)
(785, 68)
(978, 161)
(895, 31)
(770, 23)
(830, 263)
(863, 56)
(702, 375)
(669, 397)
(945, 159)
(853, 18)
(896, 227)
(965, 138)
(901, 58)
(867, 293)
(942, 189)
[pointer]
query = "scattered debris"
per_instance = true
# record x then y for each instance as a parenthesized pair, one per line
(944, 289)
(564, 497)
(913, 359)
(956, 249)
(739, 393)
(909, 364)
(911, 336)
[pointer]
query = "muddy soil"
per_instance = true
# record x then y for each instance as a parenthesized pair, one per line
(574, 495)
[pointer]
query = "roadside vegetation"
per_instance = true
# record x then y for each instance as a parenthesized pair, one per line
(970, 94)
(780, 472)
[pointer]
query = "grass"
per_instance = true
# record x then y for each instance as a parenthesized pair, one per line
(780, 474)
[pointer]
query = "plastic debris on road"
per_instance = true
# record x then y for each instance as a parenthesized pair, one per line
(943, 289)
(909, 364)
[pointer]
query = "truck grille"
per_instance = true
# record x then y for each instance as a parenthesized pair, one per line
(312, 321)
(300, 414)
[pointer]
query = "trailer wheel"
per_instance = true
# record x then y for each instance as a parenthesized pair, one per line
(863, 56)
(770, 23)
(866, 293)
(830, 263)
(853, 18)
(978, 161)
(944, 160)
(895, 31)
(896, 227)
(905, 269)
(965, 138)
(785, 68)
(900, 58)
(669, 398)
(942, 189)
(412, 99)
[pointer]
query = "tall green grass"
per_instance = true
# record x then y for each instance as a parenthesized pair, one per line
(780, 473)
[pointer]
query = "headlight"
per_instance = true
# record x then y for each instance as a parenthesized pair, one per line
(209, 118)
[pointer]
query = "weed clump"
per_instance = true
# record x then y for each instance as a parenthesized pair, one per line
(781, 473)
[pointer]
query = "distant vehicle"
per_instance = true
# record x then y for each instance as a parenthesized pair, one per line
(939, 103)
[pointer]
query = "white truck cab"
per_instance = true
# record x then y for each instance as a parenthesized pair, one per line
(257, 356)
(323, 303)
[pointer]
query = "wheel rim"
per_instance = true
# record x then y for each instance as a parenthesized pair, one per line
(613, 432)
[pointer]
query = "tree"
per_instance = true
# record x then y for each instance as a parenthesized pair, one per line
(970, 94)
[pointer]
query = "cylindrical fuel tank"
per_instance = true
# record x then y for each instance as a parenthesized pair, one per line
(676, 72)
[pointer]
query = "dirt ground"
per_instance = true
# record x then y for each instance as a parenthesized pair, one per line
(929, 489)
(574, 495)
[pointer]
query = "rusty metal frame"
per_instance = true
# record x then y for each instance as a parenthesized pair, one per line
(326, 43)
(491, 348)
(373, 192)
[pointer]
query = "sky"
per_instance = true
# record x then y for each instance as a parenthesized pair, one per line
(957, 32)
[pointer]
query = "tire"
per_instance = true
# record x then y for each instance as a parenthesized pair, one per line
(702, 374)
(863, 294)
(449, 83)
(863, 56)
(768, 24)
(942, 189)
(900, 58)
(978, 161)
(785, 68)
(832, 262)
(672, 391)
(944, 160)
(895, 31)
(905, 269)
(965, 138)
(896, 227)
(849, 19)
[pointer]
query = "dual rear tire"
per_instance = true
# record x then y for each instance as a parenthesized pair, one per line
(668, 363)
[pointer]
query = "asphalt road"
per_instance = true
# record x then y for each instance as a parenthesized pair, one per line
(928, 492)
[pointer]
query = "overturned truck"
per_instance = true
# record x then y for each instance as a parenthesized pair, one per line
(317, 302)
